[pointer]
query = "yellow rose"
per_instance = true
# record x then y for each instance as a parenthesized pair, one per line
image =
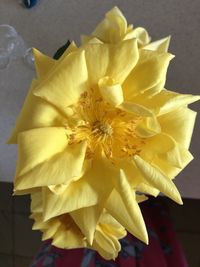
(66, 233)
(97, 126)
(114, 28)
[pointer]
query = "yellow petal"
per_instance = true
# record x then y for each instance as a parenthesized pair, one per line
(169, 150)
(115, 61)
(64, 167)
(62, 87)
(25, 191)
(78, 195)
(164, 101)
(49, 230)
(87, 219)
(38, 223)
(144, 187)
(140, 34)
(148, 127)
(36, 113)
(110, 226)
(157, 179)
(136, 179)
(170, 170)
(95, 40)
(179, 124)
(136, 109)
(107, 246)
(38, 145)
(36, 202)
(141, 198)
(127, 212)
(178, 156)
(58, 189)
(93, 188)
(171, 100)
(68, 236)
(150, 72)
(71, 48)
(129, 200)
(152, 147)
(113, 27)
(110, 91)
(43, 63)
(62, 230)
(90, 39)
(85, 38)
(131, 171)
(161, 45)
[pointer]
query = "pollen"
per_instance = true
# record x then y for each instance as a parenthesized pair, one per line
(104, 128)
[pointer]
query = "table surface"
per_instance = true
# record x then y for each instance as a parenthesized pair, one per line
(48, 25)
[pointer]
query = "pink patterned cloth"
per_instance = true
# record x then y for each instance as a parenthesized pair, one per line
(164, 249)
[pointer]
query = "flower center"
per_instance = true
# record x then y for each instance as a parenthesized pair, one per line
(104, 127)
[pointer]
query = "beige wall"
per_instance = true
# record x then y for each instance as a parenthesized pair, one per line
(52, 22)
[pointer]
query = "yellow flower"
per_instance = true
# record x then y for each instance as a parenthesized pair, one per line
(97, 126)
(65, 233)
(114, 28)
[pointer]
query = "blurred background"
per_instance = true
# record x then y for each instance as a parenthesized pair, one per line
(47, 26)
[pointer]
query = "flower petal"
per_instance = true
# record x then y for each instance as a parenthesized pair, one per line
(38, 145)
(144, 187)
(36, 202)
(141, 198)
(161, 45)
(62, 86)
(178, 156)
(58, 228)
(107, 245)
(131, 171)
(111, 91)
(165, 101)
(150, 72)
(115, 61)
(87, 191)
(49, 229)
(71, 48)
(111, 226)
(157, 179)
(170, 170)
(38, 223)
(148, 127)
(58, 189)
(179, 124)
(43, 63)
(36, 113)
(64, 167)
(124, 208)
(136, 109)
(68, 235)
(140, 34)
(112, 28)
(87, 219)
(170, 151)
(152, 148)
(170, 100)
(136, 179)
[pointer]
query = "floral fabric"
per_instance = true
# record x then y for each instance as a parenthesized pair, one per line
(164, 249)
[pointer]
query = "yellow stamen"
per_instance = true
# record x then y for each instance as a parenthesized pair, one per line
(105, 127)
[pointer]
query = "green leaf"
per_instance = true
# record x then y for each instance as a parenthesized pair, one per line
(61, 50)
